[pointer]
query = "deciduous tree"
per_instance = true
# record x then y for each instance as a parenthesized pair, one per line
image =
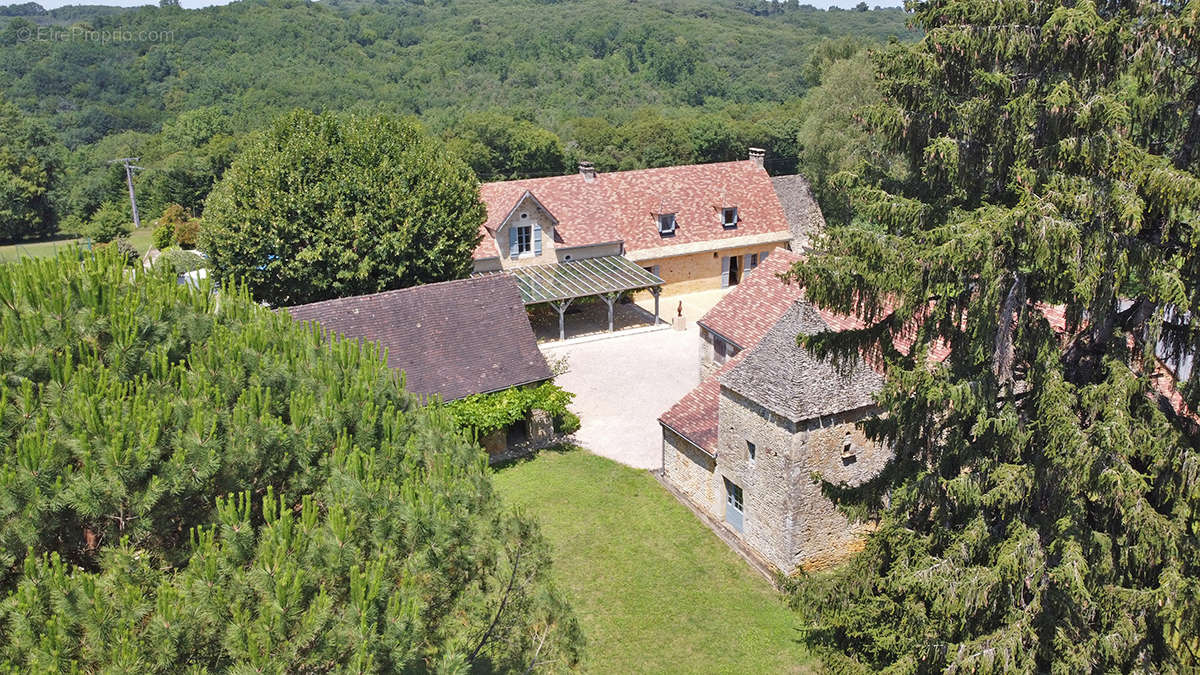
(321, 206)
(29, 165)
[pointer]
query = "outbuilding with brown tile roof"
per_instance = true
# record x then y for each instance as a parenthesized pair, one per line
(451, 339)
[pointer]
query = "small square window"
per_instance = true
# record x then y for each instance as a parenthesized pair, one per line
(750, 451)
(849, 452)
(666, 223)
(729, 216)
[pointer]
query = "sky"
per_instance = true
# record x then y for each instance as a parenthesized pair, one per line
(192, 4)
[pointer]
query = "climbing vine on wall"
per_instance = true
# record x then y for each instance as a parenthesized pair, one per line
(485, 413)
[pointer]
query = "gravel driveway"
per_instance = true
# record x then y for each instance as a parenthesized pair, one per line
(622, 384)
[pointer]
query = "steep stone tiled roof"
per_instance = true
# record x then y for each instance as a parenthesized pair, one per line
(621, 206)
(749, 310)
(787, 379)
(695, 415)
(803, 214)
(454, 338)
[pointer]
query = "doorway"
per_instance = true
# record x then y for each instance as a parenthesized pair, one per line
(734, 508)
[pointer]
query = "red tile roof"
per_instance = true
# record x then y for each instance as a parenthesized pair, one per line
(749, 310)
(454, 338)
(695, 415)
(621, 206)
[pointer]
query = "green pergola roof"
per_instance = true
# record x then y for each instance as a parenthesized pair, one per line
(581, 278)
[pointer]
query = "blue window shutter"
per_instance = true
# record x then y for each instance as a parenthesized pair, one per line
(763, 257)
(512, 241)
(746, 266)
(537, 240)
(724, 271)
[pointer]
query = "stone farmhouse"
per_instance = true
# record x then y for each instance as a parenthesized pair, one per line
(451, 340)
(694, 227)
(742, 447)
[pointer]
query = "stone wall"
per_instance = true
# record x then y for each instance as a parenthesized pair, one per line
(767, 481)
(691, 471)
(822, 535)
(708, 364)
(697, 271)
(708, 352)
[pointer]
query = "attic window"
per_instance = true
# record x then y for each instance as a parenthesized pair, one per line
(849, 452)
(729, 216)
(666, 223)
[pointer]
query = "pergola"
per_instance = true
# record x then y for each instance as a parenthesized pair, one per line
(606, 277)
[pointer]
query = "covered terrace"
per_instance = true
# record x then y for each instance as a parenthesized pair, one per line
(560, 284)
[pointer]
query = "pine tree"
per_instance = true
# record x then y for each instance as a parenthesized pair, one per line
(1040, 513)
(190, 481)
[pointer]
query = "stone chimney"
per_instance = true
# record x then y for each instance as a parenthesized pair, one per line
(757, 155)
(587, 171)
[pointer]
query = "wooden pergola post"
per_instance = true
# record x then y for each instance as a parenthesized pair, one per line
(562, 306)
(609, 299)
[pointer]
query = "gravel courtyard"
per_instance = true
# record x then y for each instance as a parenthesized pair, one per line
(623, 383)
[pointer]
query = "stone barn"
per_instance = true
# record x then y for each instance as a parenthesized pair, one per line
(743, 446)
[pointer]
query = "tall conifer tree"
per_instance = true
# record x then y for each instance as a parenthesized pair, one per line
(1041, 510)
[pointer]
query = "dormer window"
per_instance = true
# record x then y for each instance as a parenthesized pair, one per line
(729, 216)
(666, 223)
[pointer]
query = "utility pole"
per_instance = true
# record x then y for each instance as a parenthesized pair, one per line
(129, 169)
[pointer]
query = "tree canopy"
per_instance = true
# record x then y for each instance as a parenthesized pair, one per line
(1043, 495)
(322, 206)
(645, 84)
(193, 481)
(29, 168)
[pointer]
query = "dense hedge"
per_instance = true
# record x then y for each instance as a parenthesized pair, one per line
(189, 479)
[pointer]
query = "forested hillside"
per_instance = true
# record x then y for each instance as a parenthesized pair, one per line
(626, 83)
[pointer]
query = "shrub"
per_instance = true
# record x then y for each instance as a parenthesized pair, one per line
(72, 224)
(162, 236)
(194, 481)
(566, 422)
(178, 226)
(186, 233)
(124, 250)
(180, 261)
(108, 222)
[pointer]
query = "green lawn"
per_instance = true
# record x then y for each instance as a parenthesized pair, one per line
(654, 589)
(140, 239)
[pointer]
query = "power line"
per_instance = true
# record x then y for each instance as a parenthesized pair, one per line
(129, 169)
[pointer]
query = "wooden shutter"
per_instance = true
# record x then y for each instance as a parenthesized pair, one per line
(537, 239)
(724, 271)
(747, 264)
(512, 241)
